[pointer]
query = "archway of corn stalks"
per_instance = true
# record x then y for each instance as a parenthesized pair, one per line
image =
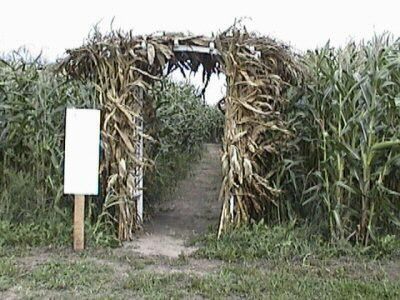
(123, 68)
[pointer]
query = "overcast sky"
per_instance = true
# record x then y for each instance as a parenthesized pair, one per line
(51, 26)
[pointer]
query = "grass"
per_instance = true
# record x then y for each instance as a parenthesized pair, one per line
(116, 274)
(60, 275)
(46, 232)
(8, 271)
(290, 243)
(255, 283)
(52, 231)
(258, 262)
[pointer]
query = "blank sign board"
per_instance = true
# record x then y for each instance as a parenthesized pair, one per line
(82, 144)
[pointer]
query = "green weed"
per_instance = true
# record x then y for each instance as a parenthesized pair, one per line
(259, 283)
(259, 241)
(58, 275)
(8, 272)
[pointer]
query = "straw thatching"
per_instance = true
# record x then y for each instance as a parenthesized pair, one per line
(258, 70)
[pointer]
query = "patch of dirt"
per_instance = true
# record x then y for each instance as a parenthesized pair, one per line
(191, 210)
(10, 295)
(161, 245)
(35, 257)
(199, 267)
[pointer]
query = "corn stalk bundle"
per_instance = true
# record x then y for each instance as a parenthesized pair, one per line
(255, 130)
(123, 66)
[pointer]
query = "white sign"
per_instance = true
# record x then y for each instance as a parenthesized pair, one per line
(82, 147)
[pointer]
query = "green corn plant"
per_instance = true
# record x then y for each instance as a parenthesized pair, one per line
(347, 125)
(32, 106)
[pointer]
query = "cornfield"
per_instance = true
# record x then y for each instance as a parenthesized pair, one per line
(343, 172)
(313, 138)
(32, 105)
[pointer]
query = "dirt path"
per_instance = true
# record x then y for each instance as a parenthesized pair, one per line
(191, 210)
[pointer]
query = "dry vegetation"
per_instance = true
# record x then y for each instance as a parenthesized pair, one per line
(120, 64)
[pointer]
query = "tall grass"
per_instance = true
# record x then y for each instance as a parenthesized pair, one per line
(344, 170)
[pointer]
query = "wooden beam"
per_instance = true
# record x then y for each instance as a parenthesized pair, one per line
(198, 49)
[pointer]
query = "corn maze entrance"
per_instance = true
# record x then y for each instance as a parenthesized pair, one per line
(123, 68)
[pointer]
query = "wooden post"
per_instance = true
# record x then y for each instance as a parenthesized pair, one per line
(79, 222)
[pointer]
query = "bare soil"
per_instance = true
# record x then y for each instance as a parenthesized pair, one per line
(191, 210)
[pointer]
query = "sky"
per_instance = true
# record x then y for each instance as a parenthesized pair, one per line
(51, 26)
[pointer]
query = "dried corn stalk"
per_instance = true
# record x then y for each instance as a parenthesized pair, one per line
(255, 130)
(121, 64)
